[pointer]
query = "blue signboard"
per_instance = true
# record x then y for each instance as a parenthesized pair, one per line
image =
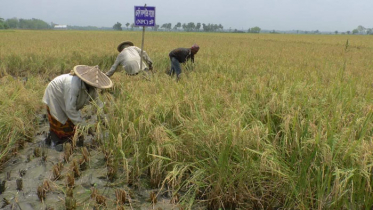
(144, 16)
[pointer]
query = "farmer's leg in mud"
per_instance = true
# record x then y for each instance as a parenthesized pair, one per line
(56, 142)
(48, 140)
(59, 133)
(52, 137)
(66, 136)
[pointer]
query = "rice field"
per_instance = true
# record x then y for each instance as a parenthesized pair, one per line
(263, 121)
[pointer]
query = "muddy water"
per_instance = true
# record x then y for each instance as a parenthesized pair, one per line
(31, 170)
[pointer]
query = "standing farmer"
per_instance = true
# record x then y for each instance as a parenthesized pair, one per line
(181, 55)
(129, 57)
(66, 95)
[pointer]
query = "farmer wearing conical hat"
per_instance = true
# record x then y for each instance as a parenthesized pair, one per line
(130, 57)
(66, 95)
(181, 55)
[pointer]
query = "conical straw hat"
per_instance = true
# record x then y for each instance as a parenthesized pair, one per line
(93, 76)
(120, 46)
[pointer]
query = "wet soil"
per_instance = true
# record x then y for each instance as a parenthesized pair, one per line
(39, 177)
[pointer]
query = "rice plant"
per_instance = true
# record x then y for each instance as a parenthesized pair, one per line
(262, 121)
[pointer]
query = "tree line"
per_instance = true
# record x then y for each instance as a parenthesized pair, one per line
(185, 26)
(362, 30)
(359, 30)
(37, 24)
(14, 23)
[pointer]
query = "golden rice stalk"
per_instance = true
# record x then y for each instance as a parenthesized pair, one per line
(46, 186)
(119, 140)
(75, 169)
(153, 197)
(41, 193)
(94, 192)
(70, 203)
(56, 172)
(67, 150)
(37, 152)
(70, 180)
(101, 200)
(121, 196)
(69, 192)
(85, 154)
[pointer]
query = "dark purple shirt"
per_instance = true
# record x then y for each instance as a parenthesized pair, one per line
(182, 54)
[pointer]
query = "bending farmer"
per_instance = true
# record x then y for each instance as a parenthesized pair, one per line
(181, 55)
(129, 58)
(66, 95)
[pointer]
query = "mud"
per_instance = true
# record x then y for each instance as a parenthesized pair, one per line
(31, 182)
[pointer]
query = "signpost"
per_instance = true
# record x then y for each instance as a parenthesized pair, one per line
(144, 16)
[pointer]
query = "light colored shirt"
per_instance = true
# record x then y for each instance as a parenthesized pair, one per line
(66, 95)
(130, 58)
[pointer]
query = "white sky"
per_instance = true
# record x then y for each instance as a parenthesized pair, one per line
(323, 15)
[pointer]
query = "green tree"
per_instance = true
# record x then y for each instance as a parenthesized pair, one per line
(191, 26)
(178, 25)
(274, 32)
(198, 26)
(127, 24)
(336, 32)
(2, 24)
(33, 24)
(156, 27)
(355, 31)
(361, 29)
(212, 27)
(166, 26)
(117, 26)
(255, 29)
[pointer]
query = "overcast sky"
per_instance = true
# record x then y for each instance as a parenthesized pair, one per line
(323, 15)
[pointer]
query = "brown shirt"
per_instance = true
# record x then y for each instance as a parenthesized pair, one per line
(182, 54)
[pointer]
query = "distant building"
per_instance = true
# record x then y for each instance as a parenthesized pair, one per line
(57, 26)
